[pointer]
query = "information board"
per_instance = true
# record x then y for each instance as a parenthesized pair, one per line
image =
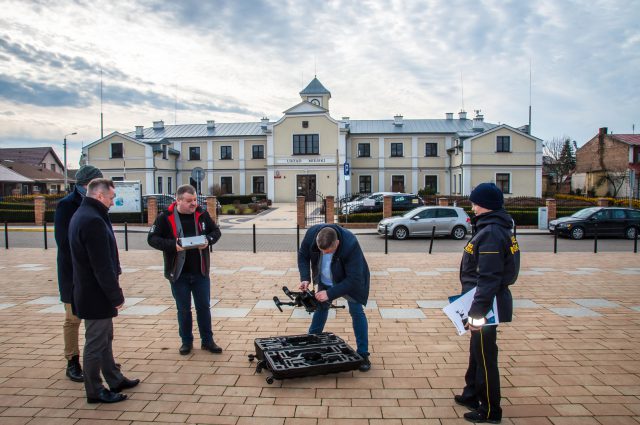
(128, 197)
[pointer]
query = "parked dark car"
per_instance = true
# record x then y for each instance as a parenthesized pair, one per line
(399, 202)
(608, 221)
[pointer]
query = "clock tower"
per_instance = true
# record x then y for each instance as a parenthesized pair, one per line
(316, 94)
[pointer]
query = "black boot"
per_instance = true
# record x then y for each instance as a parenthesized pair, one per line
(74, 371)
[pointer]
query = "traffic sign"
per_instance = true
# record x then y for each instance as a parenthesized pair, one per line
(346, 169)
(198, 174)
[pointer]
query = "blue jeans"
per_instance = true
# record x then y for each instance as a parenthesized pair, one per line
(358, 318)
(200, 287)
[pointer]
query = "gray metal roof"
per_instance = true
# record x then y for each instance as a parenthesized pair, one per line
(437, 126)
(315, 87)
(199, 130)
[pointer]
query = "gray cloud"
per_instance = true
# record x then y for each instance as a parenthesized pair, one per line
(40, 94)
(34, 56)
(130, 97)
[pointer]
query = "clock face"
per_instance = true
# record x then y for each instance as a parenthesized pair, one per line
(315, 102)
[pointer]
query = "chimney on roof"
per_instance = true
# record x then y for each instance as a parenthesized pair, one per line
(462, 115)
(477, 121)
(139, 131)
(158, 125)
(398, 120)
(211, 124)
(346, 121)
(449, 115)
(601, 133)
(264, 122)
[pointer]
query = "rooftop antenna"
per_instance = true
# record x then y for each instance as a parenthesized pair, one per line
(101, 115)
(315, 66)
(633, 128)
(462, 90)
(529, 96)
(175, 106)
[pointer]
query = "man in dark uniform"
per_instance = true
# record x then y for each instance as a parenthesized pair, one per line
(188, 270)
(490, 263)
(332, 257)
(64, 211)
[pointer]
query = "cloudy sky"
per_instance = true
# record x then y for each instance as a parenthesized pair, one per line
(189, 61)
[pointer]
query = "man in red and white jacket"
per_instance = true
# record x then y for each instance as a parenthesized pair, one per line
(187, 270)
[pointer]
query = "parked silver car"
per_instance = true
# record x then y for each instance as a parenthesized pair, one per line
(449, 221)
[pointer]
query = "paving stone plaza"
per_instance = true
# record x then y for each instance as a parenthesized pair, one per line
(570, 356)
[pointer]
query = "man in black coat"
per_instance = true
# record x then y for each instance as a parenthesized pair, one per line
(330, 257)
(188, 269)
(490, 263)
(97, 296)
(64, 211)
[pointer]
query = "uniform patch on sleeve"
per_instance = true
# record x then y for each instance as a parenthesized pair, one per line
(153, 229)
(514, 245)
(469, 248)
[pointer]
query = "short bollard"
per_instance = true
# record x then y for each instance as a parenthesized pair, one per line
(254, 238)
(635, 242)
(126, 237)
(386, 239)
(433, 234)
(555, 240)
(595, 238)
(6, 236)
(297, 237)
(44, 231)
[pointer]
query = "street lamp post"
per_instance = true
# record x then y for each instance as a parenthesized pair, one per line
(64, 166)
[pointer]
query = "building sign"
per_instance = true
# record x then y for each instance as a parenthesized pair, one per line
(306, 161)
(128, 197)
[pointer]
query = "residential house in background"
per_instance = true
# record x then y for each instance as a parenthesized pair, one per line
(306, 149)
(608, 165)
(40, 157)
(39, 179)
(11, 182)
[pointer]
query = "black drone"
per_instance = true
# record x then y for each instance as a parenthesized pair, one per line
(306, 299)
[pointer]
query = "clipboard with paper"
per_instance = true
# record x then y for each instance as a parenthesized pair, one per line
(458, 311)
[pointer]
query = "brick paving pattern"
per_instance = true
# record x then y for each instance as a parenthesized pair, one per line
(570, 356)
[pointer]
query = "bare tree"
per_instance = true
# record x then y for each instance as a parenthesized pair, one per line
(561, 159)
(615, 179)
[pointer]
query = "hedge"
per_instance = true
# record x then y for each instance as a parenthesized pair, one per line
(243, 199)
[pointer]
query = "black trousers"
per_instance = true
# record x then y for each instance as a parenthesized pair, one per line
(98, 357)
(483, 378)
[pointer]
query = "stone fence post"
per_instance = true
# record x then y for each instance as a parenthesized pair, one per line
(551, 209)
(329, 209)
(387, 206)
(443, 202)
(212, 207)
(39, 208)
(603, 202)
(300, 213)
(152, 210)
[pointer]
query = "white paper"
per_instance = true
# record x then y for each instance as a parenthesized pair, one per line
(458, 311)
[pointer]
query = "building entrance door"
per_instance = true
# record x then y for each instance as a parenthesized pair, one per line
(306, 186)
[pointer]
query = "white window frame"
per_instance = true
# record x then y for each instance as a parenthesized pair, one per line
(510, 143)
(111, 150)
(226, 146)
(253, 183)
(199, 153)
(231, 177)
(365, 175)
(437, 181)
(495, 179)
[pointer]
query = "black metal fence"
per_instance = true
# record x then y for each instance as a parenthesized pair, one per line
(315, 211)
